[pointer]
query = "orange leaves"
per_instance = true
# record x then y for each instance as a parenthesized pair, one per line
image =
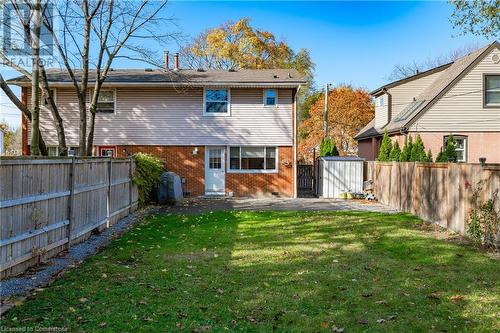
(349, 110)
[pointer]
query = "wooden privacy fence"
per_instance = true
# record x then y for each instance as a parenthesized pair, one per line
(436, 192)
(46, 205)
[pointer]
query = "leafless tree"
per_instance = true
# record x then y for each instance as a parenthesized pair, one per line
(88, 37)
(400, 71)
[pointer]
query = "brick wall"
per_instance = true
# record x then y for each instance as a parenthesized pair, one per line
(180, 159)
(264, 184)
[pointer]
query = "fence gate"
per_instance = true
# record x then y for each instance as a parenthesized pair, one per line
(305, 176)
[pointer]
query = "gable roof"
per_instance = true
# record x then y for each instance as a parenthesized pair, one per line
(443, 83)
(243, 77)
(411, 78)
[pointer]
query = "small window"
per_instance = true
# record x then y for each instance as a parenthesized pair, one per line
(492, 90)
(73, 151)
(106, 101)
(215, 159)
(52, 151)
(107, 151)
(269, 97)
(216, 101)
(252, 158)
(381, 101)
(460, 147)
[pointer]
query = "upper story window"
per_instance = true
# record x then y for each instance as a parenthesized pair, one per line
(270, 97)
(106, 101)
(381, 101)
(492, 90)
(216, 101)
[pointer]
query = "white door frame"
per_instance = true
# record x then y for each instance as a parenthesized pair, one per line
(209, 173)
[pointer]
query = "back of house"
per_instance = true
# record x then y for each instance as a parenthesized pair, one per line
(224, 132)
(459, 99)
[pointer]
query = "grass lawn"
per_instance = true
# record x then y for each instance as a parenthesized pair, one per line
(274, 271)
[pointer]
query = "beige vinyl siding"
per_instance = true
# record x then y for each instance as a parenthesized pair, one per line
(461, 108)
(403, 94)
(170, 116)
(381, 111)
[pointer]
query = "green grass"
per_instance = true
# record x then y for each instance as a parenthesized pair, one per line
(274, 271)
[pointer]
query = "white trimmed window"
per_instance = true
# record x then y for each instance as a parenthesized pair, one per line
(106, 101)
(253, 159)
(492, 90)
(216, 101)
(270, 97)
(460, 147)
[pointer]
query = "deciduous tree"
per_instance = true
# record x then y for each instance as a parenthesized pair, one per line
(476, 17)
(350, 109)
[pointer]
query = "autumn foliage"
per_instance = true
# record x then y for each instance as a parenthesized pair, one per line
(238, 45)
(350, 110)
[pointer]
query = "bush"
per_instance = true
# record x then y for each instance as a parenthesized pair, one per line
(385, 148)
(328, 148)
(406, 152)
(148, 170)
(448, 153)
(483, 224)
(395, 154)
(418, 151)
(429, 156)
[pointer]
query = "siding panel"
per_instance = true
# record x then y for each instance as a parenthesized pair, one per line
(461, 108)
(170, 116)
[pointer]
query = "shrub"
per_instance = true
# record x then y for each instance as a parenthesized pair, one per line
(395, 154)
(448, 153)
(328, 148)
(417, 153)
(385, 148)
(148, 170)
(406, 152)
(429, 156)
(483, 224)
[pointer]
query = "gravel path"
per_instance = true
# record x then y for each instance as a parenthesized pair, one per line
(22, 285)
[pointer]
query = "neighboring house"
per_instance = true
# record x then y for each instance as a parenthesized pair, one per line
(461, 99)
(224, 132)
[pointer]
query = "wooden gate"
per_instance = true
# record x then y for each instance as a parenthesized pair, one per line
(305, 176)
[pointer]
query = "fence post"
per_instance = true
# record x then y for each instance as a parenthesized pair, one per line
(70, 198)
(108, 196)
(130, 184)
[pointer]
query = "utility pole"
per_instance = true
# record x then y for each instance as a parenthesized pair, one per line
(325, 116)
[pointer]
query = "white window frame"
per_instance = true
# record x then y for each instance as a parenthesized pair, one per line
(275, 105)
(217, 114)
(114, 101)
(464, 149)
(485, 104)
(228, 160)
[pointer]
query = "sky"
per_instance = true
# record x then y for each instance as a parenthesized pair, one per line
(355, 43)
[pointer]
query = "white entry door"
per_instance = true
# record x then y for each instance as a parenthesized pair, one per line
(215, 176)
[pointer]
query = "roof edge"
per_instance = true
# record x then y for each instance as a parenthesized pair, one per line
(457, 78)
(411, 78)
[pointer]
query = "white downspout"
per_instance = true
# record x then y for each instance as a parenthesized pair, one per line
(295, 137)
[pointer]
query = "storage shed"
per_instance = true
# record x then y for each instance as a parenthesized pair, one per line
(337, 175)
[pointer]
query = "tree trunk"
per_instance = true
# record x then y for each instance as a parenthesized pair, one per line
(58, 121)
(90, 141)
(23, 108)
(35, 89)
